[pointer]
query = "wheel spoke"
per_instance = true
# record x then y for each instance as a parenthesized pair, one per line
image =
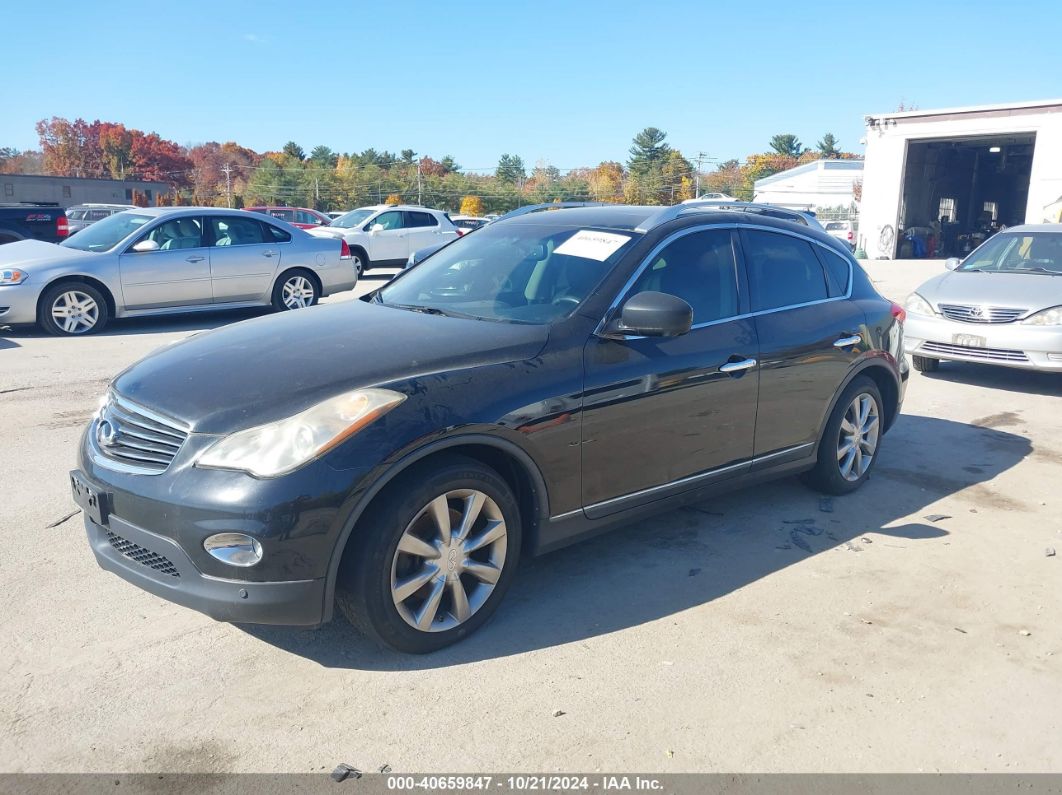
(439, 509)
(847, 461)
(403, 589)
(483, 572)
(430, 608)
(864, 409)
(461, 610)
(417, 546)
(847, 427)
(473, 506)
(490, 534)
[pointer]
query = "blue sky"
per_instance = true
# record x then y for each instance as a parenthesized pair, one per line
(565, 82)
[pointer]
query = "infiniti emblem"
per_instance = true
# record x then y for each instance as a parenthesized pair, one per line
(106, 434)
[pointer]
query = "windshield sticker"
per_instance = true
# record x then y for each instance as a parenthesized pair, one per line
(591, 245)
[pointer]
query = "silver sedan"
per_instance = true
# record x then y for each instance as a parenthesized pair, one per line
(1001, 305)
(167, 260)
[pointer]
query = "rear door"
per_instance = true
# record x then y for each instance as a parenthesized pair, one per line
(244, 257)
(424, 230)
(178, 274)
(810, 334)
(389, 243)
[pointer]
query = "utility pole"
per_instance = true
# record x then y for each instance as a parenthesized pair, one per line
(420, 185)
(317, 192)
(227, 169)
(701, 157)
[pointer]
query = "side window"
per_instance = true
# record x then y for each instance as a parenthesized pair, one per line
(277, 235)
(283, 215)
(230, 230)
(699, 268)
(305, 217)
(783, 270)
(389, 220)
(177, 234)
(838, 272)
(421, 219)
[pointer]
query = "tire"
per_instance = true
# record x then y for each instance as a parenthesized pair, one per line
(829, 474)
(924, 364)
(73, 309)
(361, 260)
(376, 578)
(296, 289)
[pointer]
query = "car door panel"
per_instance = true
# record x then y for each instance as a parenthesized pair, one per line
(243, 261)
(391, 243)
(178, 274)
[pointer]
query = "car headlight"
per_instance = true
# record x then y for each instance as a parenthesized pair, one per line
(917, 305)
(1047, 317)
(285, 445)
(12, 276)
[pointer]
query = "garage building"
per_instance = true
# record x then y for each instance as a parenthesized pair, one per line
(936, 183)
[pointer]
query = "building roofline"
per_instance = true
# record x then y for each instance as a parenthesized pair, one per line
(804, 168)
(966, 110)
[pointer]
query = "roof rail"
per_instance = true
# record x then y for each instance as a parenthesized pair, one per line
(534, 208)
(677, 210)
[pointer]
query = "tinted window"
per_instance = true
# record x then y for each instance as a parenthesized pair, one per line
(838, 272)
(283, 215)
(783, 270)
(836, 226)
(278, 235)
(97, 215)
(233, 231)
(389, 220)
(699, 269)
(306, 217)
(178, 233)
(420, 219)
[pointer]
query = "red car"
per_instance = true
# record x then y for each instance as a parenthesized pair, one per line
(302, 217)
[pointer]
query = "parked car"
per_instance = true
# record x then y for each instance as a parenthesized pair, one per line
(81, 215)
(511, 380)
(1001, 305)
(164, 261)
(302, 217)
(33, 222)
(466, 223)
(384, 236)
(843, 231)
(719, 197)
(334, 214)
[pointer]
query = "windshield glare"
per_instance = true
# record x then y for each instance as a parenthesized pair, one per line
(106, 233)
(353, 218)
(522, 272)
(1032, 252)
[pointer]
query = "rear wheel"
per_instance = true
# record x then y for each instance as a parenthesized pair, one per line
(924, 364)
(849, 444)
(360, 260)
(434, 556)
(295, 290)
(73, 309)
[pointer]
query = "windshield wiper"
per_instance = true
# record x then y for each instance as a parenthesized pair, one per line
(431, 310)
(1039, 269)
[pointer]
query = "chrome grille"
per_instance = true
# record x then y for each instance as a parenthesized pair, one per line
(975, 313)
(980, 354)
(136, 436)
(145, 557)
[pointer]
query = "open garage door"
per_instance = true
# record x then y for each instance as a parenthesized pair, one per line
(959, 191)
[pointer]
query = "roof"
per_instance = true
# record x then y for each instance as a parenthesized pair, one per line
(614, 216)
(806, 168)
(1052, 105)
(1057, 228)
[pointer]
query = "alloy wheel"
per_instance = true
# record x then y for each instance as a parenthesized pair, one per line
(298, 292)
(858, 438)
(449, 560)
(75, 312)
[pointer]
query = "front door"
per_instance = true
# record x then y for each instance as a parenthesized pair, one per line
(661, 414)
(244, 256)
(810, 335)
(389, 243)
(177, 274)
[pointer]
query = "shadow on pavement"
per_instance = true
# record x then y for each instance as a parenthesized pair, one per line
(1029, 382)
(5, 342)
(688, 557)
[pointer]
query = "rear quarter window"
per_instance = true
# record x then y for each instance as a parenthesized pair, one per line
(783, 270)
(838, 271)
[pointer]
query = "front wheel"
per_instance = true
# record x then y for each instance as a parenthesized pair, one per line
(849, 444)
(433, 557)
(295, 290)
(73, 309)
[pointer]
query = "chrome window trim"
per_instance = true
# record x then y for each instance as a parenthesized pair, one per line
(623, 293)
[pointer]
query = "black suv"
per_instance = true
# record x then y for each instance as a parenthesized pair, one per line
(526, 386)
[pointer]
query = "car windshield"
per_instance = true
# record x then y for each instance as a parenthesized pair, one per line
(1031, 252)
(531, 272)
(76, 215)
(836, 226)
(106, 234)
(353, 218)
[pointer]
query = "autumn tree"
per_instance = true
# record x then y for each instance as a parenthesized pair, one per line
(605, 182)
(472, 205)
(786, 144)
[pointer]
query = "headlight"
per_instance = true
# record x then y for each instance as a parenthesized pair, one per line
(1048, 317)
(12, 276)
(283, 446)
(917, 305)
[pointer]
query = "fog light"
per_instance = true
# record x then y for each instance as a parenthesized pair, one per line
(235, 549)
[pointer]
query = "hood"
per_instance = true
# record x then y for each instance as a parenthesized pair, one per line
(1031, 291)
(265, 369)
(36, 253)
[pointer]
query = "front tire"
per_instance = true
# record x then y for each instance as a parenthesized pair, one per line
(433, 557)
(73, 309)
(295, 290)
(850, 441)
(924, 364)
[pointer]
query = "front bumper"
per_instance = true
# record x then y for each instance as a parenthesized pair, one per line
(18, 303)
(1006, 344)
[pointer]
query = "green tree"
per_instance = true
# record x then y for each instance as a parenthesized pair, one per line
(408, 156)
(323, 156)
(292, 149)
(787, 144)
(828, 146)
(450, 164)
(510, 169)
(649, 150)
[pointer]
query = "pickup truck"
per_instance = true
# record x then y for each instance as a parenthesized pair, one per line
(33, 222)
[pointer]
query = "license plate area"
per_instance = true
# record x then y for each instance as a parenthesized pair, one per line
(969, 341)
(92, 501)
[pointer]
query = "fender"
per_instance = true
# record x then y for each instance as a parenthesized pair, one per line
(11, 233)
(879, 360)
(531, 469)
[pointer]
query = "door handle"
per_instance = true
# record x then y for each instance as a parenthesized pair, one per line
(194, 258)
(738, 367)
(847, 342)
(267, 253)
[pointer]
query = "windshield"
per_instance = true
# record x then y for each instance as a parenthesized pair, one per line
(836, 226)
(106, 234)
(76, 215)
(1032, 252)
(353, 218)
(524, 272)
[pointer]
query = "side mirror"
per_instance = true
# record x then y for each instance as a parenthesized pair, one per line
(146, 245)
(951, 263)
(652, 314)
(376, 228)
